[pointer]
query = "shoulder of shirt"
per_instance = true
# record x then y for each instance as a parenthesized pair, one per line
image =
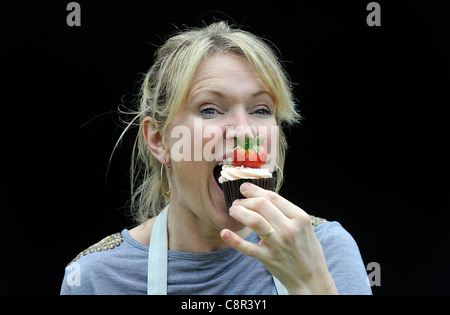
(334, 234)
(108, 243)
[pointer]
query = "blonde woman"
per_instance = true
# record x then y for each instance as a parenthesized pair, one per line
(228, 82)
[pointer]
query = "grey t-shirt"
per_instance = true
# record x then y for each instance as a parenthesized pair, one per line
(123, 269)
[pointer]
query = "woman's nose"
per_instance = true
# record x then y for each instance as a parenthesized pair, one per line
(239, 126)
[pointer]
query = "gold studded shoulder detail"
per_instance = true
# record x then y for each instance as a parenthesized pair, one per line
(316, 221)
(109, 242)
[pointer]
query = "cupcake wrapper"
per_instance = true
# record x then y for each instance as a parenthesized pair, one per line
(232, 192)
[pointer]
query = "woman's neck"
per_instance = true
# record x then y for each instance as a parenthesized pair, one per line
(189, 233)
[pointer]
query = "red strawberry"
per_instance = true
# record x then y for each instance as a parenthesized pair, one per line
(250, 153)
(239, 156)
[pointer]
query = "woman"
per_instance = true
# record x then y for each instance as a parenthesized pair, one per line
(188, 241)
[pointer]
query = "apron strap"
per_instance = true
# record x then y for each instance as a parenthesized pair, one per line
(157, 256)
(280, 288)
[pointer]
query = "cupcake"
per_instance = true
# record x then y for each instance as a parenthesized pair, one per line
(248, 159)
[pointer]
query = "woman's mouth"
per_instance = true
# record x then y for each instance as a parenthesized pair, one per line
(216, 173)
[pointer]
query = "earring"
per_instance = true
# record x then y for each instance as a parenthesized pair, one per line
(167, 193)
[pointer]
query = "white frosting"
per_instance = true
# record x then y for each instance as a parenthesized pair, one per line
(229, 172)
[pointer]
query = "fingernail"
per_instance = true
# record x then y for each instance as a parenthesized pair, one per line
(226, 235)
(244, 187)
(236, 202)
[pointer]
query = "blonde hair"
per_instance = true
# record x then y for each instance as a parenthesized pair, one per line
(164, 89)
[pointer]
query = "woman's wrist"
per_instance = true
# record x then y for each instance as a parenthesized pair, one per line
(324, 286)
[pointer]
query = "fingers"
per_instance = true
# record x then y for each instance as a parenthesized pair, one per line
(254, 220)
(260, 211)
(284, 206)
(237, 242)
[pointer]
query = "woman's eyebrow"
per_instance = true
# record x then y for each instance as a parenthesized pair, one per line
(203, 94)
(261, 92)
(221, 94)
(208, 91)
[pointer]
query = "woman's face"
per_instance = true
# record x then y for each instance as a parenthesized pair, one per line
(226, 99)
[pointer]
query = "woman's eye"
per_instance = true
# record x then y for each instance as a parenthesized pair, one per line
(209, 110)
(263, 111)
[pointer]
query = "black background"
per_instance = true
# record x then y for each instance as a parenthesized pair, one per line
(371, 152)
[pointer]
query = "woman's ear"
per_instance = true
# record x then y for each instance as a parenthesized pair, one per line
(155, 140)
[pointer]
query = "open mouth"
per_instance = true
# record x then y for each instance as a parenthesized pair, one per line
(218, 168)
(216, 172)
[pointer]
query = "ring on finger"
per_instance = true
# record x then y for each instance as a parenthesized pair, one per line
(264, 237)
